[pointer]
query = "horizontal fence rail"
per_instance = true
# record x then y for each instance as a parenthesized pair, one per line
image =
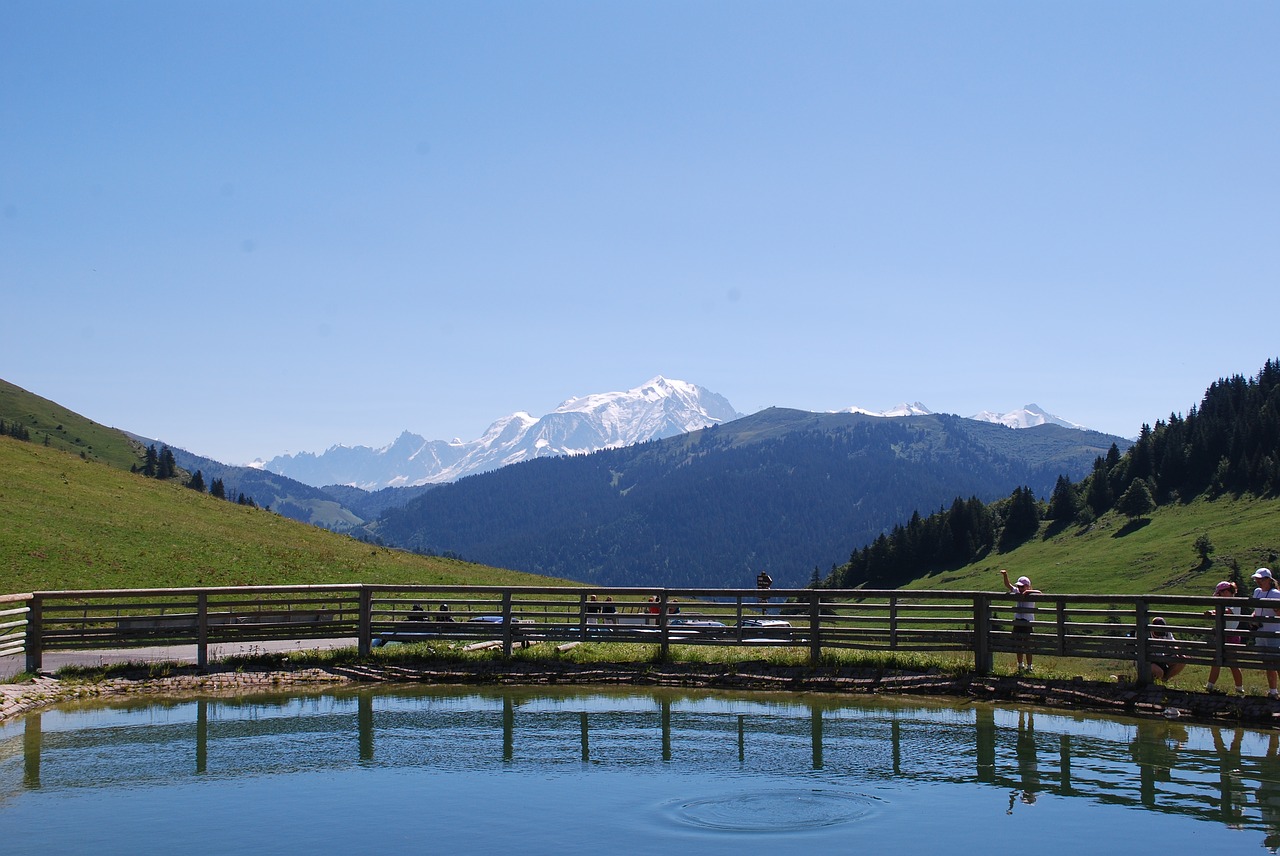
(14, 609)
(1199, 630)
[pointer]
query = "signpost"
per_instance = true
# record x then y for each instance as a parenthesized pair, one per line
(763, 584)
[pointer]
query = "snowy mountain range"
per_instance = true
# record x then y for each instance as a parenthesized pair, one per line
(1029, 416)
(652, 411)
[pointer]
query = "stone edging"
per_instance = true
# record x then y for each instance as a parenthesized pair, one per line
(45, 691)
(1078, 694)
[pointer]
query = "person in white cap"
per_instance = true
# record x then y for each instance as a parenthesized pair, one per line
(1268, 629)
(1024, 615)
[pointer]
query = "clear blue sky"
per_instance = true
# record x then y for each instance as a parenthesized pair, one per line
(246, 228)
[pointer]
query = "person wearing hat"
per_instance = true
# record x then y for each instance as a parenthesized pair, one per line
(1231, 626)
(1024, 615)
(1268, 630)
(1163, 670)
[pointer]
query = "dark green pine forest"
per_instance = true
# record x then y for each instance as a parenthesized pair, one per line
(1228, 445)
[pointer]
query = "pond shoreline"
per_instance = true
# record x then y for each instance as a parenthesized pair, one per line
(1074, 694)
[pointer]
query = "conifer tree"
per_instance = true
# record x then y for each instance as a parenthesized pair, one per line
(166, 467)
(1137, 501)
(1064, 504)
(1022, 519)
(1098, 495)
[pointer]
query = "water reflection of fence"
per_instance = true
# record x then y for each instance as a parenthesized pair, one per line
(1221, 775)
(1115, 627)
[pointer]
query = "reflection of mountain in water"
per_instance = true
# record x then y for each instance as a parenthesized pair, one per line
(1221, 775)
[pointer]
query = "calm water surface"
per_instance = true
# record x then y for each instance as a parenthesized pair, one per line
(543, 771)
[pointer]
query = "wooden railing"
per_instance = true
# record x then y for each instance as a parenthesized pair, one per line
(1098, 627)
(13, 623)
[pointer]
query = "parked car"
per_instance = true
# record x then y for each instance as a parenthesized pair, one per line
(496, 619)
(766, 628)
(696, 627)
(417, 631)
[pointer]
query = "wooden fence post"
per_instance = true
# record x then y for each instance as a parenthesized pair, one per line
(364, 622)
(35, 629)
(1062, 628)
(202, 630)
(507, 629)
(664, 650)
(893, 622)
(815, 627)
(983, 662)
(1141, 635)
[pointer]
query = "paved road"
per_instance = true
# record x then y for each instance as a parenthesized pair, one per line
(54, 660)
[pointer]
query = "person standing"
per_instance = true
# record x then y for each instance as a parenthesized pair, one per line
(1268, 639)
(1231, 626)
(1024, 616)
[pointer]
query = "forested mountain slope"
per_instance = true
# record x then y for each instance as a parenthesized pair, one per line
(1226, 449)
(783, 490)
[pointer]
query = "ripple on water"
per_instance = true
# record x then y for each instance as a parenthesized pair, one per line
(777, 810)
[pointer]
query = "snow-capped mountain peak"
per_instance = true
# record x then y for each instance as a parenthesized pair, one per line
(659, 408)
(904, 409)
(1029, 416)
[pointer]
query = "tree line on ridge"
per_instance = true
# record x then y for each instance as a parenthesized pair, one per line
(1230, 444)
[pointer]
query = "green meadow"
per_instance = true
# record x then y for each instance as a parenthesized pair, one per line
(71, 522)
(1153, 556)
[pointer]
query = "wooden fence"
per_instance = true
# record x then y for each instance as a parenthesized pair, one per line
(1099, 627)
(13, 623)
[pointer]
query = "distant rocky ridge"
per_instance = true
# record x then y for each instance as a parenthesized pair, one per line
(655, 410)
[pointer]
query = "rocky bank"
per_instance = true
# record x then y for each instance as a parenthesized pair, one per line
(1077, 694)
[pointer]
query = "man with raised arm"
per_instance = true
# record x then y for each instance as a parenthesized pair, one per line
(1024, 615)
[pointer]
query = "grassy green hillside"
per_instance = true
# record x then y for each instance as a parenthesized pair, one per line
(57, 427)
(68, 523)
(1156, 557)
